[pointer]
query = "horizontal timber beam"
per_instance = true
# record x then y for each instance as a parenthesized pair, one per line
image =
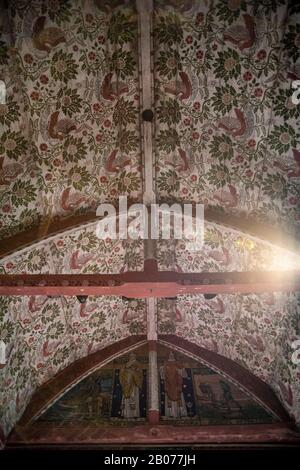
(149, 283)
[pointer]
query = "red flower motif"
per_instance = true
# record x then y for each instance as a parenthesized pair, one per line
(96, 107)
(194, 177)
(186, 122)
(199, 54)
(48, 177)
(35, 95)
(6, 208)
(293, 200)
(196, 135)
(239, 158)
(43, 147)
(101, 39)
(60, 243)
(57, 162)
(261, 54)
(92, 55)
(197, 105)
(251, 143)
(249, 173)
(189, 39)
(258, 92)
(28, 58)
(247, 76)
(99, 137)
(44, 79)
(199, 17)
(107, 123)
(103, 179)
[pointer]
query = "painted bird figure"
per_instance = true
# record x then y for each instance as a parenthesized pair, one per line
(78, 260)
(221, 256)
(227, 198)
(295, 173)
(49, 347)
(241, 125)
(242, 35)
(10, 172)
(45, 38)
(181, 88)
(36, 302)
(114, 164)
(87, 308)
(111, 90)
(216, 305)
(292, 173)
(180, 162)
(70, 201)
(256, 342)
(60, 128)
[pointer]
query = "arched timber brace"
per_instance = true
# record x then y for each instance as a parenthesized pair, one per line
(37, 433)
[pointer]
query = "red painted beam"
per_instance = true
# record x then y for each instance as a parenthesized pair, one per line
(149, 283)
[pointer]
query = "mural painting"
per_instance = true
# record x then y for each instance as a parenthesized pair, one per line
(190, 394)
(115, 394)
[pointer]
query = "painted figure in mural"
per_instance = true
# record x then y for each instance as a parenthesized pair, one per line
(94, 398)
(173, 373)
(131, 379)
(228, 398)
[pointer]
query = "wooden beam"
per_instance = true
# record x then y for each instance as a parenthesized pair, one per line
(262, 231)
(145, 11)
(149, 283)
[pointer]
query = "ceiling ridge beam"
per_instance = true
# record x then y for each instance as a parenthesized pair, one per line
(150, 283)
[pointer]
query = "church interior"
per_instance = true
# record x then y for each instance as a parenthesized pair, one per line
(140, 341)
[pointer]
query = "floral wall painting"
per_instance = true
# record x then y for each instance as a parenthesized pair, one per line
(225, 133)
(70, 126)
(226, 129)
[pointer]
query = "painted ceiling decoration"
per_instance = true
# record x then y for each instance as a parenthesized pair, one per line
(90, 399)
(225, 134)
(206, 395)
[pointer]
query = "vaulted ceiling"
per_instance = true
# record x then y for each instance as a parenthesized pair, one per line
(225, 134)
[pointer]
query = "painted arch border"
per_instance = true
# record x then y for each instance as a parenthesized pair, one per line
(54, 389)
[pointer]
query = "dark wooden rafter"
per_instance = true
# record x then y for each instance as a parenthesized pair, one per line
(149, 283)
(58, 226)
